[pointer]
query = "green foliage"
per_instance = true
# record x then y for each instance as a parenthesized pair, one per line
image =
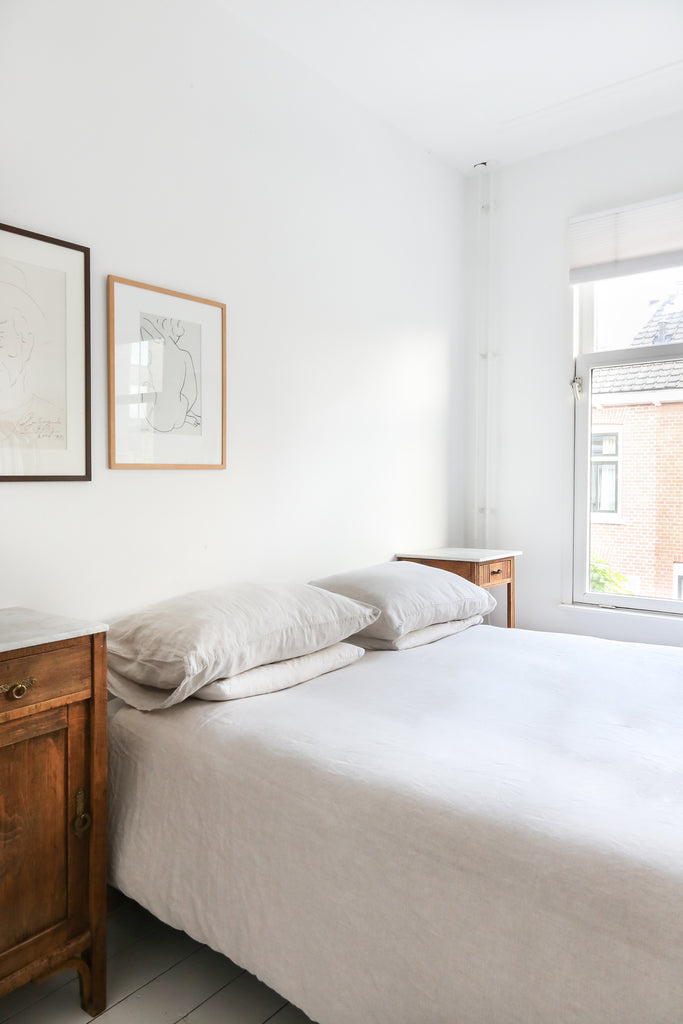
(604, 580)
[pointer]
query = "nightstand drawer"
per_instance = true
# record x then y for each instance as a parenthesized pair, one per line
(43, 677)
(490, 574)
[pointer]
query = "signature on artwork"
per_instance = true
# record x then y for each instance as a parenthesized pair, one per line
(41, 428)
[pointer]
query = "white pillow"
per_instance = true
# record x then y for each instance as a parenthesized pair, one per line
(166, 652)
(418, 637)
(281, 674)
(410, 596)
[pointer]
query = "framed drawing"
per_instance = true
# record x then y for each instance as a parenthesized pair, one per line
(44, 357)
(166, 378)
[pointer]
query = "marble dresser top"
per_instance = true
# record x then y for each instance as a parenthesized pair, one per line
(24, 627)
(461, 554)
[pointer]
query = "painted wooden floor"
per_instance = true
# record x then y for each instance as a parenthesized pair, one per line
(156, 975)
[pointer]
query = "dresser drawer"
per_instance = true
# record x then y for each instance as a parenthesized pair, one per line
(35, 678)
(490, 574)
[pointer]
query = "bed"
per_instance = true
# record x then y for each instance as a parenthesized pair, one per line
(485, 828)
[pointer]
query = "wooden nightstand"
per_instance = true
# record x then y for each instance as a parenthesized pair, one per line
(482, 566)
(53, 758)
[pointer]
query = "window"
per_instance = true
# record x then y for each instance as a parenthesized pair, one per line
(628, 335)
(678, 581)
(605, 476)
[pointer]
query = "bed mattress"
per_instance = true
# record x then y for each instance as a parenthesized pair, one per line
(484, 830)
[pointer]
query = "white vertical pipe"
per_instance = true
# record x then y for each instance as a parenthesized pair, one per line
(486, 360)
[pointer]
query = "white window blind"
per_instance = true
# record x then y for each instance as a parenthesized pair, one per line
(628, 240)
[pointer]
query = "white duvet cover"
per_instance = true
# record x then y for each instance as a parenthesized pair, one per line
(484, 830)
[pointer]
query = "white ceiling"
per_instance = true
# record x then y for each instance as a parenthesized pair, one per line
(494, 80)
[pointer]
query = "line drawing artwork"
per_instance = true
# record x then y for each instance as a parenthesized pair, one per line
(170, 360)
(32, 356)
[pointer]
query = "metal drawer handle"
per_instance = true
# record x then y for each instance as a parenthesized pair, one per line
(18, 690)
(496, 572)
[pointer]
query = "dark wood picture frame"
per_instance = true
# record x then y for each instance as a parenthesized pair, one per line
(45, 424)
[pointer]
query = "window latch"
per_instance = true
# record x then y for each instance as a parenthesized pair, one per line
(577, 386)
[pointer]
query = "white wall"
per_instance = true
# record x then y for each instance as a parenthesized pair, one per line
(531, 314)
(188, 153)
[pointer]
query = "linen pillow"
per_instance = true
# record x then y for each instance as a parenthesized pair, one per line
(167, 651)
(281, 674)
(419, 637)
(410, 596)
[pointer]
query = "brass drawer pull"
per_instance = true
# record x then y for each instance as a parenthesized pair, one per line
(82, 821)
(18, 690)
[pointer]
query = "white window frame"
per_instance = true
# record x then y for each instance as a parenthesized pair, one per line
(582, 480)
(628, 240)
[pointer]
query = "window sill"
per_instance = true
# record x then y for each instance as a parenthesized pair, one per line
(630, 625)
(676, 617)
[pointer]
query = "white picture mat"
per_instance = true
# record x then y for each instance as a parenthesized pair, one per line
(133, 446)
(71, 460)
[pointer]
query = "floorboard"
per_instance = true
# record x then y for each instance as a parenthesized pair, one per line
(155, 975)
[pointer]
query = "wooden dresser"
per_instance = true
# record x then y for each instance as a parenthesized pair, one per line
(53, 758)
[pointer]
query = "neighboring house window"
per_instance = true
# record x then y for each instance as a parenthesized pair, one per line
(605, 452)
(628, 336)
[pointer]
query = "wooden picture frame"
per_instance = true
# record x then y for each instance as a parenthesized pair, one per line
(44, 357)
(166, 378)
